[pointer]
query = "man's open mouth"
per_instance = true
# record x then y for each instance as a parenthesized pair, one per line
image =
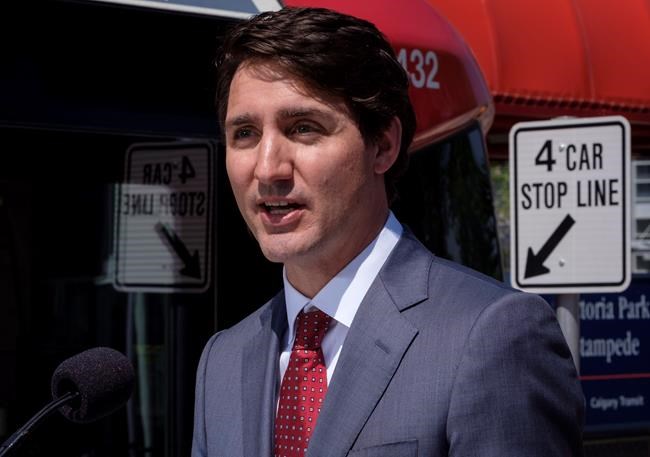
(280, 208)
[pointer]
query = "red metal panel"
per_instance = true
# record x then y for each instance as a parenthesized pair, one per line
(534, 49)
(618, 38)
(560, 57)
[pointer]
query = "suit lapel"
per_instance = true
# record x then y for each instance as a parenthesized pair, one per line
(259, 380)
(374, 347)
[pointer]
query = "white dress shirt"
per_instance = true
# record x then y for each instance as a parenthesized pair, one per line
(341, 296)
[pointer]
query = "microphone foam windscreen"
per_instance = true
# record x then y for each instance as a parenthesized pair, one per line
(104, 379)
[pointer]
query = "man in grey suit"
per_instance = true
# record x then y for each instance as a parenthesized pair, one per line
(404, 354)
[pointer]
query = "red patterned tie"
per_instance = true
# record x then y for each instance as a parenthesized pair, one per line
(303, 387)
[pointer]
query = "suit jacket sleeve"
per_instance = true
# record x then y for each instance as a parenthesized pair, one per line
(199, 445)
(516, 390)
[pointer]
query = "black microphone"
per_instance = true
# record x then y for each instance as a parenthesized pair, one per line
(102, 376)
(85, 387)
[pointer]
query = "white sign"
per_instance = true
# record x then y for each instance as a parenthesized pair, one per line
(570, 205)
(163, 228)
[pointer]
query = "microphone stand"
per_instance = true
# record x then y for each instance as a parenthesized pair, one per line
(22, 433)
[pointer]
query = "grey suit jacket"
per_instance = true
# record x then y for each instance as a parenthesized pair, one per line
(440, 360)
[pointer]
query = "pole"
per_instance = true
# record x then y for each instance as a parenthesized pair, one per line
(568, 315)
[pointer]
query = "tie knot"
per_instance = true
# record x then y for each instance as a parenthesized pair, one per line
(310, 329)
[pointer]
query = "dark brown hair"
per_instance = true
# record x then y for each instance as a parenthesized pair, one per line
(338, 54)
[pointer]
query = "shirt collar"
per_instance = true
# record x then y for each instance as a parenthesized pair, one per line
(341, 296)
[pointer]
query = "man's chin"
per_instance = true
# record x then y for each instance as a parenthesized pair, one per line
(281, 249)
(275, 251)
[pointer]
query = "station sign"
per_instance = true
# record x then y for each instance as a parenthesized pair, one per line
(614, 350)
(570, 205)
(163, 218)
(615, 361)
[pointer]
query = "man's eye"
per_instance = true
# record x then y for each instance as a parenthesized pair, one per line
(243, 133)
(304, 128)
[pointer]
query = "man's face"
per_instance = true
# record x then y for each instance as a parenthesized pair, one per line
(309, 187)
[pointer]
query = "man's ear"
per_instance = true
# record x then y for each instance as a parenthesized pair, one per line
(388, 146)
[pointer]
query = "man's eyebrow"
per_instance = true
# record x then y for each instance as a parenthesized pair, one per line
(239, 120)
(287, 113)
(291, 113)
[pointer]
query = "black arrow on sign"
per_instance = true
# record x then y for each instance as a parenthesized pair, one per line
(192, 266)
(535, 262)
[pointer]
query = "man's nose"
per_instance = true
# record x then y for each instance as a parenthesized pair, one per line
(274, 162)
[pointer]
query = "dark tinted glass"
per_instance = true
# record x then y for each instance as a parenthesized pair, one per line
(80, 83)
(57, 298)
(446, 199)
